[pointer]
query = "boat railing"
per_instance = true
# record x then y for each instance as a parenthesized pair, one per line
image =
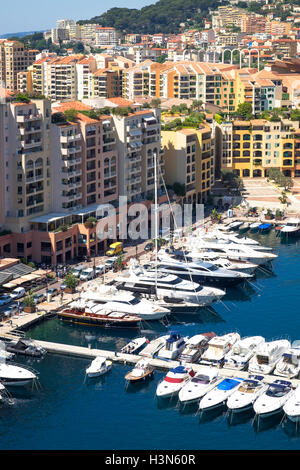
(24, 366)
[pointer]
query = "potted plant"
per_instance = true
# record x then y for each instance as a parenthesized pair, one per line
(71, 283)
(215, 216)
(29, 303)
(269, 215)
(90, 222)
(278, 214)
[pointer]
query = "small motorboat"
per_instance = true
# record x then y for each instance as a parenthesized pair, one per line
(154, 346)
(134, 345)
(265, 227)
(274, 398)
(219, 395)
(203, 381)
(289, 364)
(99, 366)
(14, 375)
(218, 347)
(292, 406)
(254, 226)
(26, 347)
(174, 380)
(235, 225)
(244, 227)
(291, 227)
(246, 394)
(241, 352)
(141, 371)
(174, 345)
(195, 347)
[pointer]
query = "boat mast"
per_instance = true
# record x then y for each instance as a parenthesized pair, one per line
(156, 214)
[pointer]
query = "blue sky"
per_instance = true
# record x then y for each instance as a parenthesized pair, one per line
(35, 15)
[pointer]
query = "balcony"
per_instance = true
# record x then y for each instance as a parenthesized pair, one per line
(28, 117)
(70, 150)
(69, 138)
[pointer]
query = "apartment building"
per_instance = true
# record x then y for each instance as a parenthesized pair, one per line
(14, 58)
(138, 140)
(106, 36)
(189, 160)
(106, 83)
(251, 148)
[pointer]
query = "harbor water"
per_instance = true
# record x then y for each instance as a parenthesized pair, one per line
(71, 412)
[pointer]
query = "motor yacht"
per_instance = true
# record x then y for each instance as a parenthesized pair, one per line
(292, 406)
(203, 381)
(289, 364)
(214, 258)
(174, 345)
(291, 227)
(166, 287)
(219, 394)
(218, 347)
(124, 301)
(99, 366)
(14, 375)
(195, 347)
(241, 352)
(201, 272)
(247, 393)
(267, 356)
(141, 371)
(174, 380)
(217, 236)
(274, 398)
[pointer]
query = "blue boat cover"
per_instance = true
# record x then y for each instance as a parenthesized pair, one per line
(264, 226)
(228, 384)
(178, 370)
(174, 336)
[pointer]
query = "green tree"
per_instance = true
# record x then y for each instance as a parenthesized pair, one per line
(244, 110)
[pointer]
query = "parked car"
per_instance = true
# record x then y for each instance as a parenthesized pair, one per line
(100, 269)
(110, 263)
(38, 298)
(52, 291)
(18, 293)
(78, 270)
(10, 310)
(5, 299)
(87, 274)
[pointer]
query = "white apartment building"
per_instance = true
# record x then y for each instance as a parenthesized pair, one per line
(106, 36)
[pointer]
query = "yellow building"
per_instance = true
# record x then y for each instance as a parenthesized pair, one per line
(189, 160)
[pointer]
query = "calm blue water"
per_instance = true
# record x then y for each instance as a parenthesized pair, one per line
(69, 413)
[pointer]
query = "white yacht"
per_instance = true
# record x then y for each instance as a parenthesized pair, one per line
(166, 287)
(214, 258)
(99, 366)
(174, 345)
(174, 380)
(267, 356)
(235, 252)
(222, 237)
(15, 375)
(154, 346)
(274, 398)
(124, 301)
(292, 406)
(291, 227)
(199, 271)
(195, 347)
(218, 347)
(203, 381)
(241, 352)
(289, 364)
(247, 393)
(219, 394)
(134, 345)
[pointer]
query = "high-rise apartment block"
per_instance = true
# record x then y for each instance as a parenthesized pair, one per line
(14, 58)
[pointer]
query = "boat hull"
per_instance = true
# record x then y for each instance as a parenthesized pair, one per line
(100, 322)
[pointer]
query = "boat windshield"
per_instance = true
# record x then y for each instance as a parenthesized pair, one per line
(262, 359)
(248, 387)
(201, 379)
(277, 391)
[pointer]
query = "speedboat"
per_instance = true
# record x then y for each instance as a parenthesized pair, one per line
(124, 301)
(267, 356)
(241, 352)
(218, 347)
(292, 406)
(203, 381)
(99, 366)
(174, 380)
(173, 346)
(244, 227)
(134, 345)
(195, 347)
(291, 227)
(142, 369)
(219, 395)
(273, 399)
(289, 364)
(15, 375)
(201, 272)
(26, 347)
(247, 393)
(254, 226)
(166, 287)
